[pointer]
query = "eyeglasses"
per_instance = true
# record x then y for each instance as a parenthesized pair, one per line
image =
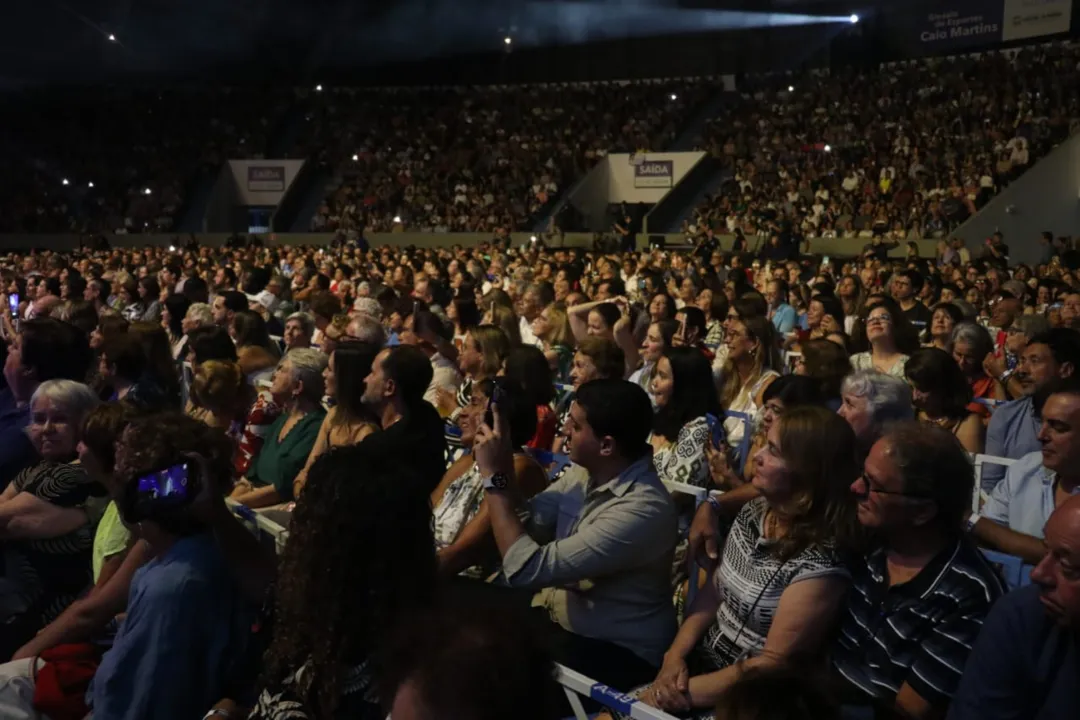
(879, 320)
(872, 488)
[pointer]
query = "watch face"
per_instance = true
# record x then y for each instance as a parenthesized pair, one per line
(498, 481)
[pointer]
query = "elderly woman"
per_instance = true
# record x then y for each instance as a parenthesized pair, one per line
(870, 400)
(970, 345)
(198, 315)
(298, 387)
(47, 517)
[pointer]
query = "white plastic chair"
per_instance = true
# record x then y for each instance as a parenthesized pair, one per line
(980, 496)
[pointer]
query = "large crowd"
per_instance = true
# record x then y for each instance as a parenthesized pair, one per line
(903, 152)
(485, 460)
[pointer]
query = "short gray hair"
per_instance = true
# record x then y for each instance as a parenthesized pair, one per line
(307, 367)
(307, 323)
(974, 335)
(888, 398)
(201, 313)
(75, 397)
(1031, 325)
(367, 329)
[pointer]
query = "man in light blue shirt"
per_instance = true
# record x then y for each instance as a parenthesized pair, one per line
(783, 316)
(1014, 427)
(1013, 519)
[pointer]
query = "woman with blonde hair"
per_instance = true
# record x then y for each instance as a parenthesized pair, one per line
(752, 359)
(552, 328)
(219, 388)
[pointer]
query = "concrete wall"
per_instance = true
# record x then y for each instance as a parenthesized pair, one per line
(1046, 197)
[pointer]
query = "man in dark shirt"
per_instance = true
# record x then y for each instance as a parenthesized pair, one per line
(411, 428)
(919, 596)
(906, 286)
(1026, 663)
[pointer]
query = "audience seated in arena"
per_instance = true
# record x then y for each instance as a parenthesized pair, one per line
(187, 625)
(348, 421)
(1025, 660)
(681, 430)
(941, 394)
(44, 349)
(1014, 427)
(298, 388)
(780, 586)
(610, 528)
(462, 522)
(410, 427)
(920, 594)
(1013, 518)
(48, 513)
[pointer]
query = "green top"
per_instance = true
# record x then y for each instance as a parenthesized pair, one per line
(280, 461)
(110, 539)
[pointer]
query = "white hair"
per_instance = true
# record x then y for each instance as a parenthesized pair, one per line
(75, 397)
(307, 367)
(201, 313)
(367, 329)
(887, 398)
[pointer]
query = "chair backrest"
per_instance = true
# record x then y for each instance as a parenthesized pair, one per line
(744, 444)
(266, 529)
(577, 686)
(979, 496)
(1014, 571)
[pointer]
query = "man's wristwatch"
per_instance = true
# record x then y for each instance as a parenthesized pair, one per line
(498, 481)
(971, 521)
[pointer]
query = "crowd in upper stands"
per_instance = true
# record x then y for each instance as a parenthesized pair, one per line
(906, 151)
(446, 437)
(903, 152)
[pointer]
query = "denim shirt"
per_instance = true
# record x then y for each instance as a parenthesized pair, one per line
(1024, 500)
(185, 631)
(1013, 433)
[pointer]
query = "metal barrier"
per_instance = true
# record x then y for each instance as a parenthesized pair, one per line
(979, 496)
(577, 686)
(267, 530)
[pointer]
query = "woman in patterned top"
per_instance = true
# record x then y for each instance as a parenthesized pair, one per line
(461, 523)
(47, 517)
(682, 388)
(360, 559)
(779, 587)
(486, 347)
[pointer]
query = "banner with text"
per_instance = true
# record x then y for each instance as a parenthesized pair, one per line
(266, 178)
(1035, 18)
(654, 174)
(958, 24)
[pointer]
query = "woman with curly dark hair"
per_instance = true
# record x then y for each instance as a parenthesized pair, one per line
(359, 560)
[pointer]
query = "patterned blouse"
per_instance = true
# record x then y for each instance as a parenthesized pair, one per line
(358, 698)
(50, 573)
(684, 460)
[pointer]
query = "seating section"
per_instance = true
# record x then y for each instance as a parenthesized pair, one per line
(905, 152)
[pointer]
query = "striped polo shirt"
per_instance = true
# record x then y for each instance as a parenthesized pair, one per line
(919, 632)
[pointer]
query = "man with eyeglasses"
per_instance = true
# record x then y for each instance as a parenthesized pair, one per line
(920, 594)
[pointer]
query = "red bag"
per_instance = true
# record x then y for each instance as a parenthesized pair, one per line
(60, 686)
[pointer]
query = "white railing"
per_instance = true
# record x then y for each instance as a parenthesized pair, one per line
(980, 496)
(577, 686)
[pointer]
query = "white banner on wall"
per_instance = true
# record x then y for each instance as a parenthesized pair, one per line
(1035, 18)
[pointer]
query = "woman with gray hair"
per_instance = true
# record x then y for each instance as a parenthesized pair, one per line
(297, 387)
(871, 400)
(970, 345)
(47, 517)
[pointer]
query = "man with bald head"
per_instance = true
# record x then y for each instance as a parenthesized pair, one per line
(1026, 663)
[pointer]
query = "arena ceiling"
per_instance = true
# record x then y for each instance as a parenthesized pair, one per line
(97, 41)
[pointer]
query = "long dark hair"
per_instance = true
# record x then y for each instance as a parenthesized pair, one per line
(693, 393)
(528, 367)
(177, 305)
(352, 363)
(251, 330)
(934, 371)
(360, 559)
